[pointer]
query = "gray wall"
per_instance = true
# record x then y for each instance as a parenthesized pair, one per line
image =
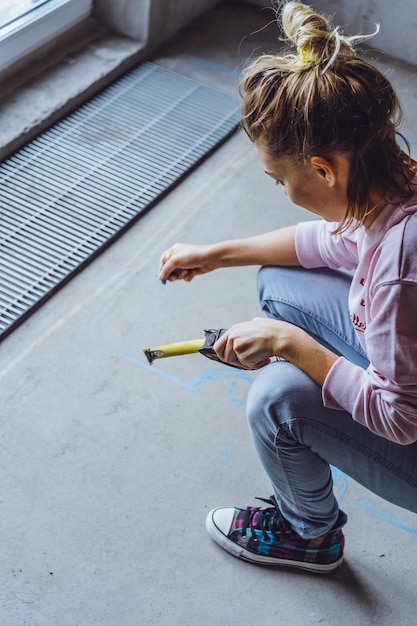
(150, 21)
(154, 21)
(398, 20)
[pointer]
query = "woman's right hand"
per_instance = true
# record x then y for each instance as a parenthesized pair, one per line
(184, 261)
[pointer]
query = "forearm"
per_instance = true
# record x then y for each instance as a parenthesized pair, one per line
(273, 248)
(297, 347)
(184, 261)
(251, 344)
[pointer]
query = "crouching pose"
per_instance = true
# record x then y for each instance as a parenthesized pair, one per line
(344, 391)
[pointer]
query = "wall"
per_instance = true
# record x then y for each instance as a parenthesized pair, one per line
(154, 21)
(149, 21)
(398, 20)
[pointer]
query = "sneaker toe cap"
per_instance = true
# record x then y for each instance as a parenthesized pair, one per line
(222, 519)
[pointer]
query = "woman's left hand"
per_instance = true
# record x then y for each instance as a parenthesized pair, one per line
(249, 345)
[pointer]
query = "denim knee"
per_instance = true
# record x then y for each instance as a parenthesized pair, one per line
(279, 395)
(316, 301)
(282, 310)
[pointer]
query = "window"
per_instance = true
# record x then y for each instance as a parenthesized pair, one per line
(11, 10)
(28, 24)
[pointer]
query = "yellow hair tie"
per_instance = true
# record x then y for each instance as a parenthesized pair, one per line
(304, 55)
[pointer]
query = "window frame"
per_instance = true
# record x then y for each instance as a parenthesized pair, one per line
(39, 26)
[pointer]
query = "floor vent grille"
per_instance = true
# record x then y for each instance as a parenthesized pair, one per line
(70, 192)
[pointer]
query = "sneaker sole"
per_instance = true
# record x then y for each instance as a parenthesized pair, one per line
(258, 559)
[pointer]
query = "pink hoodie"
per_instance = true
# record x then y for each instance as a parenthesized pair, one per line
(383, 310)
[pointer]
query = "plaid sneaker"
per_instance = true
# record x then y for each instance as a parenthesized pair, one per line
(263, 536)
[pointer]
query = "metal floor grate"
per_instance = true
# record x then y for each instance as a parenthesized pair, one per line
(70, 192)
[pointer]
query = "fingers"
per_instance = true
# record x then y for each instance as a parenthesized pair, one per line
(164, 270)
(240, 348)
(174, 262)
(168, 269)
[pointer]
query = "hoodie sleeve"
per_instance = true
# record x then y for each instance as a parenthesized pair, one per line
(384, 397)
(316, 246)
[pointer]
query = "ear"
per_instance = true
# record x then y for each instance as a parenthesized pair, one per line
(325, 170)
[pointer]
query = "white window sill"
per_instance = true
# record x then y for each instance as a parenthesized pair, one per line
(35, 28)
(62, 77)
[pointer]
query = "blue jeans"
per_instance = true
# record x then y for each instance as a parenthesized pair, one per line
(295, 436)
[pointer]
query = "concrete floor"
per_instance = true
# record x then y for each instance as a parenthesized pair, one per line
(108, 466)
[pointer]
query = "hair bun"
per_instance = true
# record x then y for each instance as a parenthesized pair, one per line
(317, 42)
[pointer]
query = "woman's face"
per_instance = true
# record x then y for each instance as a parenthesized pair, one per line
(319, 186)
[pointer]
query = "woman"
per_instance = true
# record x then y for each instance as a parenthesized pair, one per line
(344, 390)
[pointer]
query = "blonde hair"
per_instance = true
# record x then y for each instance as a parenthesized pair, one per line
(325, 99)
